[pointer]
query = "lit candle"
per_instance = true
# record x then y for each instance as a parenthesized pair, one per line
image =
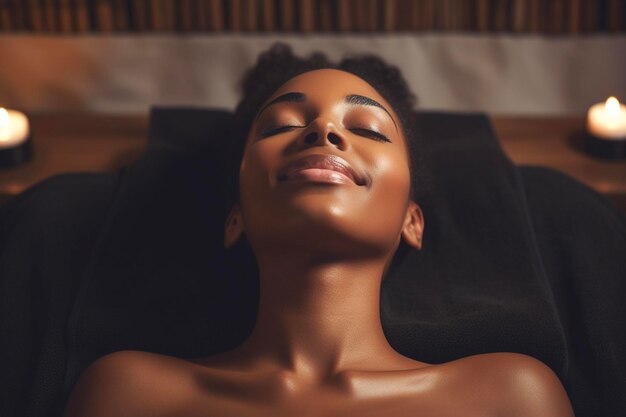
(606, 130)
(607, 120)
(14, 128)
(15, 138)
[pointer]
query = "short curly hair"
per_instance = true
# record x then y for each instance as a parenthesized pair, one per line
(278, 64)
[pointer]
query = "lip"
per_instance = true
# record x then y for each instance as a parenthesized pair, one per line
(320, 161)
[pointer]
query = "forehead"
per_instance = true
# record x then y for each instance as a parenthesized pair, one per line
(329, 83)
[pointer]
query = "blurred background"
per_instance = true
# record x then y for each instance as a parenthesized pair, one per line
(122, 56)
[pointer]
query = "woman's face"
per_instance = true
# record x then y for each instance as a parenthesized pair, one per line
(325, 168)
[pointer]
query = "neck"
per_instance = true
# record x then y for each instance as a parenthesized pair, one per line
(317, 319)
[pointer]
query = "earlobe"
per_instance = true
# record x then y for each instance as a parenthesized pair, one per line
(413, 226)
(233, 228)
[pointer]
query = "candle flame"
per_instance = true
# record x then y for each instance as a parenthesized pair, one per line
(5, 125)
(612, 106)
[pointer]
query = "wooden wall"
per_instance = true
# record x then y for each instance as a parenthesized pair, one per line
(210, 16)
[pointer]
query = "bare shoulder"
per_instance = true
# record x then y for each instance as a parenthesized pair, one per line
(128, 383)
(525, 386)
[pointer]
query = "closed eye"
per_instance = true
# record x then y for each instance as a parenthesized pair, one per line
(278, 130)
(375, 135)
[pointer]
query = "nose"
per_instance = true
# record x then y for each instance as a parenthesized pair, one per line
(324, 133)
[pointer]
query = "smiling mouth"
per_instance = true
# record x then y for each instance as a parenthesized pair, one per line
(319, 175)
(324, 168)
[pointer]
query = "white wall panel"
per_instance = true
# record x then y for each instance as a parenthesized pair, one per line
(500, 74)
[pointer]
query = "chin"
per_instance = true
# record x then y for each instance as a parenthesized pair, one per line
(314, 212)
(333, 231)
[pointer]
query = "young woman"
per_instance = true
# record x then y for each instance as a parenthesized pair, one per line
(325, 198)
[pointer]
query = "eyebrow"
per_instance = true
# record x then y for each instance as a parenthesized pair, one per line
(355, 99)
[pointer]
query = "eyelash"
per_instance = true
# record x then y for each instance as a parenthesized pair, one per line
(376, 135)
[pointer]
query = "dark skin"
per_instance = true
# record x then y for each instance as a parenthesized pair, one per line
(323, 245)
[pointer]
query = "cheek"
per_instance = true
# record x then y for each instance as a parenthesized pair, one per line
(251, 173)
(257, 163)
(256, 179)
(389, 193)
(391, 175)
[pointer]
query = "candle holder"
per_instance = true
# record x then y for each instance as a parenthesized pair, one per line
(16, 155)
(614, 148)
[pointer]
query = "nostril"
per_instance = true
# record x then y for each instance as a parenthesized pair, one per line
(310, 138)
(334, 139)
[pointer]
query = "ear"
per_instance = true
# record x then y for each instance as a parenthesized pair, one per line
(233, 228)
(413, 228)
